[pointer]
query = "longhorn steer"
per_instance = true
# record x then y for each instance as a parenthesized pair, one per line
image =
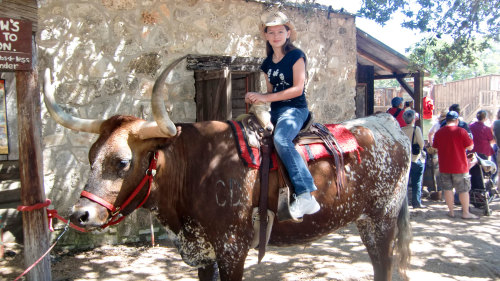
(205, 195)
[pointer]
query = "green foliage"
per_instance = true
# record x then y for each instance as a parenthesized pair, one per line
(470, 27)
(387, 83)
(442, 60)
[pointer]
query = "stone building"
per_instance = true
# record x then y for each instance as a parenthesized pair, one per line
(105, 56)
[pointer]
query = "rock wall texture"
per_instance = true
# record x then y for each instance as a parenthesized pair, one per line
(104, 56)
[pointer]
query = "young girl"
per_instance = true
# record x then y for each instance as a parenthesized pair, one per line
(285, 71)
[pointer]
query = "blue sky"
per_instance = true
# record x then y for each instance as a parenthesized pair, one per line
(392, 34)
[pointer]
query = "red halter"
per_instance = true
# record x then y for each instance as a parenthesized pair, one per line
(116, 216)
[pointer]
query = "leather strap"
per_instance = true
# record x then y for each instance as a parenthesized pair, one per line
(264, 188)
(334, 147)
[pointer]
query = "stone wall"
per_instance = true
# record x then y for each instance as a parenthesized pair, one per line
(105, 55)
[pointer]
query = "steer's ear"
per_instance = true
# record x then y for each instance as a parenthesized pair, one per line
(148, 130)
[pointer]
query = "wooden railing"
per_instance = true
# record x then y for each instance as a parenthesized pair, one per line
(487, 100)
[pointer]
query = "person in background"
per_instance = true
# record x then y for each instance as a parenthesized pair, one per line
(408, 105)
(417, 161)
(451, 143)
(462, 124)
(285, 73)
(427, 109)
(397, 110)
(482, 136)
(441, 118)
(432, 154)
(496, 134)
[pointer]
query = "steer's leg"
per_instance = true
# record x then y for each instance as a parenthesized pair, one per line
(378, 236)
(208, 272)
(231, 264)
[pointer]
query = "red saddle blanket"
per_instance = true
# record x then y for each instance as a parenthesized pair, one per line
(317, 150)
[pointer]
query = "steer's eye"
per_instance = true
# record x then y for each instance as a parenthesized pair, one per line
(123, 164)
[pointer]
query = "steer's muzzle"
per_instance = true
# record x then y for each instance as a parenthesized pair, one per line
(88, 214)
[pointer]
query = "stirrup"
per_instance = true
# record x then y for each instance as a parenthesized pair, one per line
(284, 213)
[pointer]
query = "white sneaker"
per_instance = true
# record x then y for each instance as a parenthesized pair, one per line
(304, 204)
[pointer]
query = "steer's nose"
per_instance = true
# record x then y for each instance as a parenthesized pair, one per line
(79, 217)
(88, 215)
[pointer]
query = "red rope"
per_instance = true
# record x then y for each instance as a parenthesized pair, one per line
(50, 214)
(53, 214)
(33, 265)
(34, 207)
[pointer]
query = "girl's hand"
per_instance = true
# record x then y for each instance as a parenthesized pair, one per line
(253, 97)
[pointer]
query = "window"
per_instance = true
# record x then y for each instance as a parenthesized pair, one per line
(221, 84)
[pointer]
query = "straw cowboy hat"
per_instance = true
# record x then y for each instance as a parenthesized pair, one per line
(442, 115)
(274, 19)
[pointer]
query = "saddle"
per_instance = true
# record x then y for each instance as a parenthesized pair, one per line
(314, 141)
(255, 146)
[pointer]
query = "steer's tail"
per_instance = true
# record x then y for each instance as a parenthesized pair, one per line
(403, 239)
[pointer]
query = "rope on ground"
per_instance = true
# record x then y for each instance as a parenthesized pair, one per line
(48, 251)
(50, 214)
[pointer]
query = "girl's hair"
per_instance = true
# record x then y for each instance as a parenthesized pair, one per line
(481, 115)
(498, 114)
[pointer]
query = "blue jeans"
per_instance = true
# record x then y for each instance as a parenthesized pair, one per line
(287, 123)
(416, 175)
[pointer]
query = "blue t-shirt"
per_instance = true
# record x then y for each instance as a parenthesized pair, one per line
(281, 77)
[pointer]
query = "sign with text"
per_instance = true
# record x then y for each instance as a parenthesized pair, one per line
(15, 44)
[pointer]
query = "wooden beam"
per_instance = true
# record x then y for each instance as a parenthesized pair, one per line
(406, 87)
(394, 76)
(10, 199)
(20, 9)
(35, 227)
(9, 170)
(375, 61)
(206, 62)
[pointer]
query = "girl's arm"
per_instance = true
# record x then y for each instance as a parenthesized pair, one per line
(299, 78)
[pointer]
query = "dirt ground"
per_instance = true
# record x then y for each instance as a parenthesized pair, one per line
(443, 248)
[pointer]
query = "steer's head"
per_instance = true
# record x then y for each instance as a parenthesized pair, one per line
(119, 160)
(120, 157)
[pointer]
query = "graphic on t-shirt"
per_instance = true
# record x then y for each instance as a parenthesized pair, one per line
(281, 82)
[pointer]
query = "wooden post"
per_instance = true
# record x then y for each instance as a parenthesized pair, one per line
(418, 90)
(366, 76)
(35, 227)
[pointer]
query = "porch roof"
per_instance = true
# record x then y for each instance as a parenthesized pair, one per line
(387, 62)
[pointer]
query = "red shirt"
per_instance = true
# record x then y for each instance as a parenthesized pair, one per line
(451, 142)
(399, 118)
(428, 107)
(482, 136)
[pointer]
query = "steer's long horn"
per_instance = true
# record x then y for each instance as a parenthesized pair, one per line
(158, 106)
(63, 118)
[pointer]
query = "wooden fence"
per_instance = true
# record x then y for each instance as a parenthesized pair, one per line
(471, 94)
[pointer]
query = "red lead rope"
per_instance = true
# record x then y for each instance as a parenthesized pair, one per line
(115, 212)
(116, 216)
(50, 214)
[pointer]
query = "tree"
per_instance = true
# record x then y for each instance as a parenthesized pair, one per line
(487, 62)
(458, 30)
